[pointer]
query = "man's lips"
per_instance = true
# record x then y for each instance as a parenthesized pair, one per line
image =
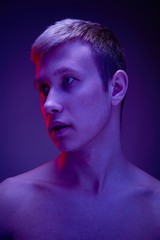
(56, 126)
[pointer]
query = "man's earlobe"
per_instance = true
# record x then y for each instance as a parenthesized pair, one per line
(119, 85)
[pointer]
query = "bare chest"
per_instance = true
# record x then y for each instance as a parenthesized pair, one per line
(66, 218)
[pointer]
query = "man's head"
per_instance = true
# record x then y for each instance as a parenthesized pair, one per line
(108, 54)
(80, 75)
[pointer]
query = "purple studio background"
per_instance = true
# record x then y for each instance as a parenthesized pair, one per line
(24, 141)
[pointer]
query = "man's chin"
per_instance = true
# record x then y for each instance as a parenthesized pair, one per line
(62, 145)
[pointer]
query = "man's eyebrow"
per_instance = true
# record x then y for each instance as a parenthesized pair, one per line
(65, 70)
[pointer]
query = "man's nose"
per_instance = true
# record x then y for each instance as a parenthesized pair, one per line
(53, 103)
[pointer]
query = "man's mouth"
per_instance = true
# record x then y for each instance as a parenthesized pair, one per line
(58, 127)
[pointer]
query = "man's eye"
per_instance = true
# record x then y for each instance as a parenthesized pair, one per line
(67, 81)
(44, 89)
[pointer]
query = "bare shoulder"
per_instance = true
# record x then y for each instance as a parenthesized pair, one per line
(11, 188)
(140, 201)
(154, 202)
(145, 183)
(147, 193)
(12, 197)
(15, 188)
(12, 192)
(17, 194)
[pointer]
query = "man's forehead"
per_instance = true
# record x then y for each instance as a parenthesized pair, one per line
(69, 55)
(76, 45)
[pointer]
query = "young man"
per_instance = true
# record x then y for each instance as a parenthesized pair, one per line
(90, 191)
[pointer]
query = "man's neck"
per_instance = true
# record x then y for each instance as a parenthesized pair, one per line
(91, 167)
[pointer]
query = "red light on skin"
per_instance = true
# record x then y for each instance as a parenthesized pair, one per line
(61, 162)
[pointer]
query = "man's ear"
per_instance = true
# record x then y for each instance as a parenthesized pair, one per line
(118, 86)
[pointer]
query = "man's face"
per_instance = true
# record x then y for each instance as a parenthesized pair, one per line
(75, 106)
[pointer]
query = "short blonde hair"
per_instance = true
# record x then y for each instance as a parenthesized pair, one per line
(105, 47)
